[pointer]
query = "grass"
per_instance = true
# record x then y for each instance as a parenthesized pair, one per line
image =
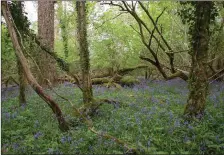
(149, 118)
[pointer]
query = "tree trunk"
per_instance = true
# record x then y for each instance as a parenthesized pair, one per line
(84, 52)
(22, 78)
(22, 84)
(64, 30)
(63, 125)
(198, 82)
(46, 34)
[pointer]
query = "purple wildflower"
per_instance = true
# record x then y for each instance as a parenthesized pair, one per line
(63, 139)
(37, 135)
(190, 127)
(15, 146)
(69, 138)
(149, 143)
(50, 151)
(186, 139)
(36, 124)
(177, 123)
(7, 115)
(202, 147)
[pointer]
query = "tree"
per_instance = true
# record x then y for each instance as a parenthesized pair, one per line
(152, 34)
(46, 35)
(22, 79)
(198, 82)
(63, 19)
(22, 24)
(17, 44)
(84, 52)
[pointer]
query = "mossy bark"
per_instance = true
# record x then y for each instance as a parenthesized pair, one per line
(84, 52)
(198, 82)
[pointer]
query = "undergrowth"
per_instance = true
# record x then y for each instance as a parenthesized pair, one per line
(149, 117)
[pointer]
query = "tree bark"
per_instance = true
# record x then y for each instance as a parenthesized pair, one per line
(63, 125)
(84, 52)
(198, 82)
(22, 78)
(22, 84)
(64, 30)
(46, 34)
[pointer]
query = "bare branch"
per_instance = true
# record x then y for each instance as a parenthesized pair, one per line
(148, 59)
(135, 30)
(114, 4)
(182, 51)
(154, 23)
(109, 20)
(219, 71)
(157, 19)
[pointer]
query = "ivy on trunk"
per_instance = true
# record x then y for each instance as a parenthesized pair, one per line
(198, 82)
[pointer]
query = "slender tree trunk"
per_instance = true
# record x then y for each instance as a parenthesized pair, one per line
(198, 82)
(63, 125)
(22, 78)
(84, 52)
(46, 34)
(22, 84)
(64, 27)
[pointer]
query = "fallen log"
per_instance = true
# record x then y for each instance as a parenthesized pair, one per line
(115, 81)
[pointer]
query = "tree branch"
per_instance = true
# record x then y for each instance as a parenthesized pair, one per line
(31, 80)
(109, 20)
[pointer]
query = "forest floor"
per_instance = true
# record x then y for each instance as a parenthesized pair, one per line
(149, 117)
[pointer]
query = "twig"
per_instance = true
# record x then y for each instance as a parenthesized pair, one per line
(111, 3)
(109, 20)
(217, 78)
(182, 51)
(216, 73)
(157, 19)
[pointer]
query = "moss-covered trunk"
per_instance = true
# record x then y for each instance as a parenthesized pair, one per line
(84, 52)
(198, 82)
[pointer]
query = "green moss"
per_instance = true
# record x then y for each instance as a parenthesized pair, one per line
(129, 80)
